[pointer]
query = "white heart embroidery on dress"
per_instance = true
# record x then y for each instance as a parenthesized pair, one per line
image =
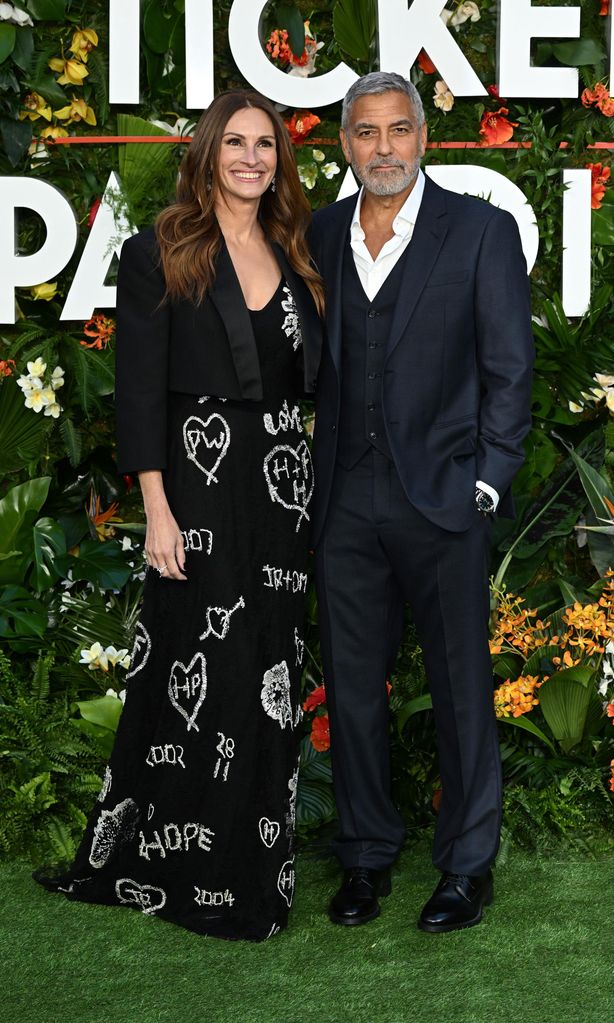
(188, 686)
(140, 651)
(112, 829)
(206, 443)
(149, 898)
(269, 831)
(218, 620)
(289, 476)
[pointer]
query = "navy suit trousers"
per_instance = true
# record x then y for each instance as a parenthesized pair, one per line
(376, 553)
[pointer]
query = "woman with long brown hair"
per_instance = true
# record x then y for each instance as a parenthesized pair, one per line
(218, 336)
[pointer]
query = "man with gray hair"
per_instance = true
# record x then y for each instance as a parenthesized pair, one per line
(422, 405)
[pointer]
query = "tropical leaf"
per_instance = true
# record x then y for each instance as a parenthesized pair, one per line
(415, 706)
(564, 701)
(289, 17)
(21, 429)
(18, 512)
(49, 541)
(73, 440)
(21, 614)
(105, 711)
(101, 563)
(354, 25)
(315, 802)
(526, 725)
(141, 165)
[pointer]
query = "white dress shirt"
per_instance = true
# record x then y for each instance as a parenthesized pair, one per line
(373, 272)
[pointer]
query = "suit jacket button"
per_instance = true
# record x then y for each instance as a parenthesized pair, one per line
(333, 428)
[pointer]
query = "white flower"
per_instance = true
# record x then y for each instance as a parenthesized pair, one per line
(442, 97)
(318, 155)
(53, 410)
(25, 382)
(57, 378)
(115, 656)
(574, 407)
(37, 368)
(35, 399)
(14, 16)
(330, 169)
(308, 175)
(95, 657)
(118, 696)
(604, 380)
(125, 662)
(468, 11)
(126, 543)
(609, 399)
(180, 127)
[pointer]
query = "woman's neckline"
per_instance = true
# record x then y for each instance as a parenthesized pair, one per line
(273, 296)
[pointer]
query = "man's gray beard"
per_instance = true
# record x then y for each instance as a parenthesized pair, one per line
(387, 182)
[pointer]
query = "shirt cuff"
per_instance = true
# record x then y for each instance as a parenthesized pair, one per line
(490, 491)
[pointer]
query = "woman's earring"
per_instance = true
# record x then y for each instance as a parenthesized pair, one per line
(273, 185)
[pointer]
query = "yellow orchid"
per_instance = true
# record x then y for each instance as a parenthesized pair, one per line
(77, 110)
(72, 71)
(44, 291)
(83, 41)
(34, 107)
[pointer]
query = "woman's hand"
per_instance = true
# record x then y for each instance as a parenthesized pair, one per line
(164, 547)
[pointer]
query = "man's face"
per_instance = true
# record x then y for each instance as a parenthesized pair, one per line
(383, 143)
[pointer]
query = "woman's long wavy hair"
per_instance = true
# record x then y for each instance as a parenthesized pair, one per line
(188, 233)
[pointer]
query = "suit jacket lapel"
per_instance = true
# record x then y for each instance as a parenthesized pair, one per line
(429, 233)
(332, 272)
(227, 296)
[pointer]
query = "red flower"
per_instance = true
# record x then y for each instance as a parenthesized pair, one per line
(495, 127)
(493, 90)
(610, 711)
(315, 698)
(102, 329)
(93, 211)
(300, 125)
(605, 8)
(612, 777)
(320, 733)
(5, 367)
(128, 482)
(425, 63)
(600, 177)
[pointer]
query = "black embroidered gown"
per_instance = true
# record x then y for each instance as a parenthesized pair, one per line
(196, 816)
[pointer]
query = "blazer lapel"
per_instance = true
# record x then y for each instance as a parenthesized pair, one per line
(227, 296)
(429, 233)
(311, 325)
(332, 272)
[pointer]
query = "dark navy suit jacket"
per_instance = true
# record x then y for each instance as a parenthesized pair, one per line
(457, 376)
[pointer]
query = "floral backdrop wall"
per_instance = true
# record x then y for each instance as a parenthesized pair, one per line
(71, 528)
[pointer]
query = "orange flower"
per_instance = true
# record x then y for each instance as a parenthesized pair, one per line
(320, 733)
(5, 367)
(612, 776)
(300, 125)
(495, 128)
(425, 63)
(610, 710)
(605, 8)
(99, 518)
(315, 698)
(600, 177)
(600, 97)
(102, 329)
(513, 699)
(436, 800)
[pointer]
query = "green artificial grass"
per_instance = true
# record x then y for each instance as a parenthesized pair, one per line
(543, 954)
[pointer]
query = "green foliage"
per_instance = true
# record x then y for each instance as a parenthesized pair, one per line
(354, 25)
(50, 772)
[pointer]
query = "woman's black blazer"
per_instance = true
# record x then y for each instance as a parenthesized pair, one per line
(181, 346)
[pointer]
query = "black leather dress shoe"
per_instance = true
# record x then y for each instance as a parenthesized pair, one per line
(356, 902)
(457, 902)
